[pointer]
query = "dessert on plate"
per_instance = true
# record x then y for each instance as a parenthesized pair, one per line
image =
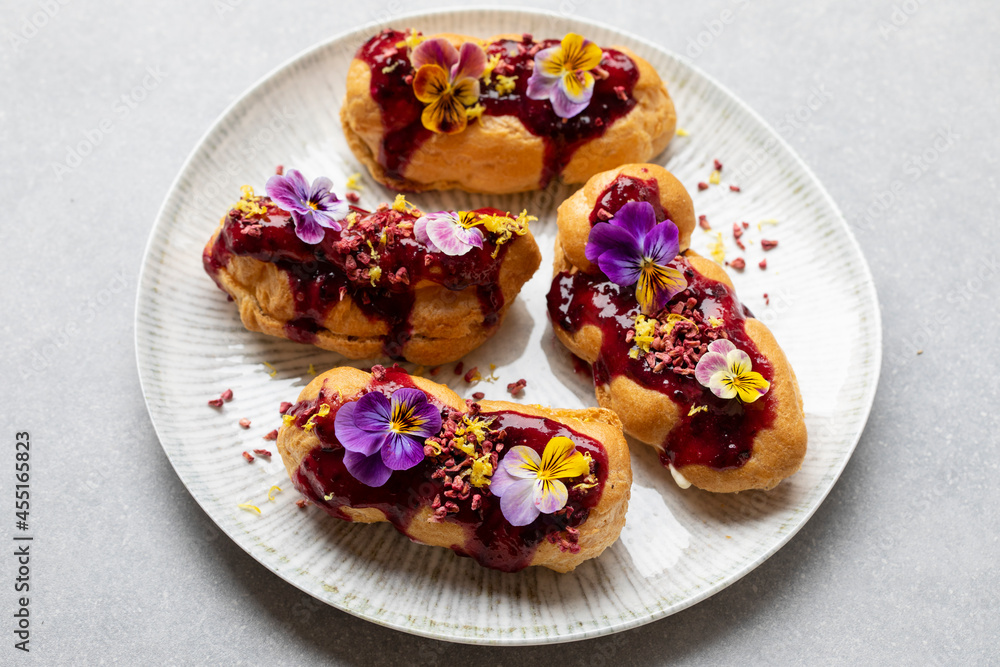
(508, 485)
(397, 282)
(675, 355)
(503, 114)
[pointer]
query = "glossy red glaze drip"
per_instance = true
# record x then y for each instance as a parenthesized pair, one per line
(721, 437)
(489, 539)
(401, 110)
(621, 191)
(320, 275)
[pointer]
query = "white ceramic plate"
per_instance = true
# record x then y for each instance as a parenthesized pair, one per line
(678, 547)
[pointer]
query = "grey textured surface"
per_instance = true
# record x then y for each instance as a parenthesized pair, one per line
(897, 566)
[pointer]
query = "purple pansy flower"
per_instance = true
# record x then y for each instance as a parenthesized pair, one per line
(312, 208)
(382, 433)
(449, 232)
(633, 249)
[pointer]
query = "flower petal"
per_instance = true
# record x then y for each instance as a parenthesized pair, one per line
(662, 242)
(549, 495)
(430, 83)
(331, 217)
(373, 413)
(738, 362)
(421, 417)
(306, 227)
(624, 249)
(471, 62)
(577, 86)
(656, 285)
(564, 106)
(549, 63)
(402, 452)
(521, 462)
(560, 459)
(752, 386)
(501, 481)
(518, 503)
(638, 218)
(540, 87)
(352, 438)
(721, 384)
(369, 470)
(709, 364)
(466, 91)
(722, 346)
(438, 51)
(420, 234)
(321, 186)
(579, 53)
(449, 236)
(290, 191)
(445, 115)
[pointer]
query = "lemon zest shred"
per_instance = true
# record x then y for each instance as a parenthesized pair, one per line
(400, 204)
(715, 322)
(714, 178)
(250, 508)
(287, 419)
(506, 84)
(681, 132)
(475, 111)
(695, 410)
(323, 411)
(312, 369)
(272, 371)
(272, 492)
(717, 249)
(413, 38)
(490, 66)
(352, 219)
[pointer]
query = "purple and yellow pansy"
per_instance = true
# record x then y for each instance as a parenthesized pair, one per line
(528, 484)
(728, 372)
(633, 249)
(449, 232)
(314, 208)
(563, 75)
(382, 433)
(447, 82)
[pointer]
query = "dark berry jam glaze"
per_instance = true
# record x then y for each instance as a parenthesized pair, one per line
(720, 437)
(621, 191)
(339, 267)
(392, 90)
(489, 538)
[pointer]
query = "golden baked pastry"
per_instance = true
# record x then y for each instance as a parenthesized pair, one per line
(388, 446)
(695, 375)
(505, 114)
(372, 284)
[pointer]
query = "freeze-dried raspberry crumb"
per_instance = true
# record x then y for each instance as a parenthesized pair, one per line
(301, 502)
(245, 423)
(717, 165)
(227, 395)
(514, 388)
(768, 244)
(353, 197)
(284, 407)
(471, 374)
(262, 452)
(703, 222)
(734, 188)
(479, 396)
(767, 299)
(702, 185)
(739, 264)
(215, 402)
(763, 264)
(273, 435)
(280, 170)
(248, 456)
(458, 367)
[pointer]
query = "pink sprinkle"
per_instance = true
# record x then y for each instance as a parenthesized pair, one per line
(703, 185)
(280, 170)
(767, 299)
(734, 188)
(763, 264)
(248, 456)
(273, 435)
(245, 423)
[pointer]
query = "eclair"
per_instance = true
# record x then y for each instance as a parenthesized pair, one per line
(395, 282)
(508, 485)
(684, 365)
(500, 115)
